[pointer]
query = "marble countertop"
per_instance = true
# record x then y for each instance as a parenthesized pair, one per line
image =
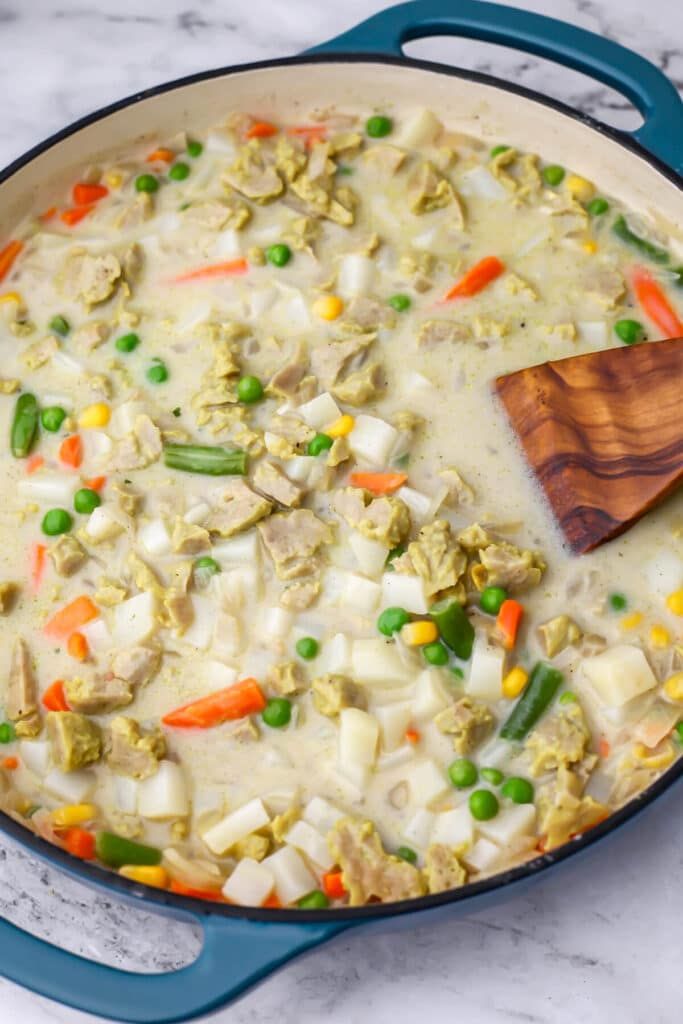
(596, 941)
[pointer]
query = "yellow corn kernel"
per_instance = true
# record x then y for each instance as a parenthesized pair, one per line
(113, 179)
(73, 814)
(580, 188)
(674, 602)
(414, 634)
(341, 427)
(660, 636)
(590, 246)
(328, 307)
(662, 759)
(145, 874)
(514, 682)
(673, 687)
(12, 297)
(96, 415)
(631, 621)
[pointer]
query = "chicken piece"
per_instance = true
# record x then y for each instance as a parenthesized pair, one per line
(468, 721)
(516, 285)
(136, 212)
(329, 362)
(367, 314)
(140, 448)
(40, 352)
(436, 331)
(287, 678)
(271, 481)
(254, 846)
(384, 160)
(436, 557)
(143, 576)
(604, 284)
(68, 555)
(386, 519)
(212, 214)
(292, 381)
(239, 508)
(333, 692)
(9, 385)
(252, 177)
(368, 872)
(75, 741)
(179, 610)
(338, 453)
(98, 695)
(137, 665)
(558, 633)
(91, 335)
(505, 565)
(563, 811)
(319, 198)
(301, 595)
(189, 539)
(292, 540)
(288, 436)
(88, 278)
(561, 740)
(281, 823)
(443, 870)
(130, 500)
(9, 592)
(361, 386)
(459, 491)
(244, 731)
(428, 190)
(110, 592)
(132, 262)
(21, 702)
(134, 751)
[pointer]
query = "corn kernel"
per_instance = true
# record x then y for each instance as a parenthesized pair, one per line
(113, 179)
(631, 621)
(146, 874)
(12, 297)
(590, 246)
(73, 814)
(96, 415)
(660, 636)
(328, 307)
(414, 634)
(514, 682)
(674, 602)
(580, 188)
(673, 687)
(341, 427)
(662, 759)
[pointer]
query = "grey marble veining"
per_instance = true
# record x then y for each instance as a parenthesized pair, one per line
(595, 942)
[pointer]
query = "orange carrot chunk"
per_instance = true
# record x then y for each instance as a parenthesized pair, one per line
(272, 902)
(80, 843)
(71, 451)
(229, 268)
(84, 194)
(655, 304)
(96, 484)
(379, 483)
(75, 214)
(260, 130)
(53, 699)
(412, 736)
(10, 764)
(215, 895)
(476, 279)
(8, 256)
(69, 618)
(237, 701)
(34, 463)
(161, 155)
(47, 214)
(508, 620)
(36, 556)
(77, 646)
(333, 885)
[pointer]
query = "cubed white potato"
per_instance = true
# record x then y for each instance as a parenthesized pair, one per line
(96, 632)
(417, 831)
(194, 316)
(360, 594)
(321, 814)
(299, 468)
(35, 755)
(154, 537)
(320, 412)
(126, 793)
(135, 619)
(241, 550)
(227, 245)
(49, 488)
(394, 758)
(414, 383)
(593, 333)
(71, 787)
(619, 674)
(250, 884)
(375, 661)
(371, 555)
(220, 140)
(430, 695)
(227, 640)
(96, 445)
(219, 675)
(403, 590)
(356, 275)
(419, 129)
(103, 525)
(333, 584)
(509, 824)
(124, 415)
(197, 514)
(372, 440)
(64, 361)
(292, 310)
(480, 182)
(276, 623)
(235, 587)
(453, 828)
(418, 503)
(248, 818)
(393, 721)
(486, 669)
(337, 653)
(358, 736)
(664, 572)
(427, 782)
(277, 801)
(200, 632)
(303, 837)
(292, 877)
(426, 240)
(164, 795)
(482, 856)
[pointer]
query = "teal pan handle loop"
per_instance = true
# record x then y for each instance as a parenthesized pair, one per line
(633, 76)
(235, 955)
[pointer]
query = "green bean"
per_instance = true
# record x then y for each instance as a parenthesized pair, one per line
(115, 851)
(543, 684)
(649, 249)
(210, 459)
(24, 426)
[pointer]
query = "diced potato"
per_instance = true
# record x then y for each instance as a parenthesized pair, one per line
(241, 550)
(164, 795)
(483, 855)
(248, 818)
(71, 787)
(154, 537)
(320, 411)
(375, 661)
(321, 814)
(619, 674)
(292, 878)
(453, 828)
(336, 654)
(360, 594)
(304, 837)
(419, 504)
(250, 884)
(50, 488)
(418, 830)
(35, 755)
(371, 555)
(486, 670)
(126, 791)
(103, 525)
(400, 590)
(393, 720)
(219, 675)
(509, 824)
(427, 782)
(356, 275)
(419, 129)
(372, 440)
(200, 632)
(135, 619)
(430, 696)
(358, 735)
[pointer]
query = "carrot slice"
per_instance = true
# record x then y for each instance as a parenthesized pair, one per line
(476, 278)
(77, 646)
(412, 736)
(8, 256)
(333, 885)
(10, 764)
(508, 621)
(84, 194)
(47, 214)
(237, 701)
(71, 451)
(79, 842)
(96, 484)
(379, 483)
(655, 304)
(215, 895)
(160, 155)
(260, 130)
(36, 557)
(34, 463)
(54, 699)
(272, 902)
(75, 214)
(68, 619)
(603, 747)
(227, 269)
(310, 133)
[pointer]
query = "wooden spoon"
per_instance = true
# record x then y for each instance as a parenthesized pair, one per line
(603, 433)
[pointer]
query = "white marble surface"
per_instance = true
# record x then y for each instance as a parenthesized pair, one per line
(597, 942)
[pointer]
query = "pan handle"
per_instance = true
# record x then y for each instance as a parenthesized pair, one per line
(236, 953)
(633, 76)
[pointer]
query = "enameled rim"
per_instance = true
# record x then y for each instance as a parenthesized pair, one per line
(105, 879)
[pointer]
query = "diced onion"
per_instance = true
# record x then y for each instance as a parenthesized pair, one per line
(480, 182)
(418, 503)
(35, 754)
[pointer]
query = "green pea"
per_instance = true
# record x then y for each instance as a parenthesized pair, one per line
(179, 171)
(319, 443)
(400, 302)
(553, 174)
(307, 647)
(56, 521)
(567, 697)
(59, 325)
(405, 853)
(463, 773)
(492, 775)
(277, 712)
(146, 183)
(597, 206)
(52, 418)
(315, 900)
(483, 804)
(679, 733)
(457, 671)
(249, 390)
(520, 791)
(617, 602)
(7, 733)
(497, 150)
(209, 566)
(435, 654)
(157, 374)
(85, 500)
(177, 411)
(491, 598)
(194, 148)
(378, 126)
(127, 342)
(392, 620)
(629, 331)
(279, 255)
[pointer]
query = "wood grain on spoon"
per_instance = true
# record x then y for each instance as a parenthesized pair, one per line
(603, 432)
